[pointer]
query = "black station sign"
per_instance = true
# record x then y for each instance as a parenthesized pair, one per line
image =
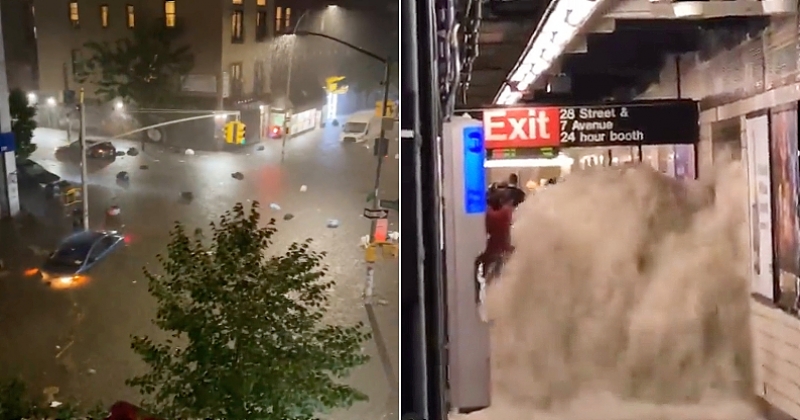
(634, 124)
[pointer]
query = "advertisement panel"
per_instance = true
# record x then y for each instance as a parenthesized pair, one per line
(762, 278)
(634, 124)
(304, 121)
(785, 175)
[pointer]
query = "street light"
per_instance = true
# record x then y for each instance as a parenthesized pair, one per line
(386, 77)
(51, 101)
(32, 98)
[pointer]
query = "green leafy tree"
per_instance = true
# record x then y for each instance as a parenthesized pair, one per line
(22, 122)
(17, 404)
(249, 333)
(146, 69)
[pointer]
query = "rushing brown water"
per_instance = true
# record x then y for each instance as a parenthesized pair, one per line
(627, 299)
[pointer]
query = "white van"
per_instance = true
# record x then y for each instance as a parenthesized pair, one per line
(357, 127)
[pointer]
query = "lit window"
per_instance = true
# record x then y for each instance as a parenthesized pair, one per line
(74, 17)
(261, 2)
(278, 19)
(169, 13)
(130, 17)
(261, 26)
(288, 18)
(237, 32)
(236, 1)
(104, 15)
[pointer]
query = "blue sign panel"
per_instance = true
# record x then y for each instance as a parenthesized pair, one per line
(7, 143)
(474, 172)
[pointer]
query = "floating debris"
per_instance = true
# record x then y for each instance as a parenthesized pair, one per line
(288, 216)
(123, 176)
(91, 371)
(394, 236)
(187, 195)
(189, 152)
(333, 223)
(120, 153)
(238, 176)
(260, 147)
(364, 242)
(133, 151)
(144, 167)
(303, 188)
(275, 206)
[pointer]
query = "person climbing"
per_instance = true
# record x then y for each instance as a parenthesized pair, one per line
(498, 233)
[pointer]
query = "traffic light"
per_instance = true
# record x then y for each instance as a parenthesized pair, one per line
(228, 131)
(234, 132)
(239, 130)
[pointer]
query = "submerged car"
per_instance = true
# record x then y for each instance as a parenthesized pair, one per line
(94, 149)
(77, 254)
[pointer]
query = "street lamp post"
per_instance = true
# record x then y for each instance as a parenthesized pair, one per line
(289, 86)
(386, 77)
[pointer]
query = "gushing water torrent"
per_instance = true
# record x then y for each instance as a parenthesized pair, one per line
(627, 299)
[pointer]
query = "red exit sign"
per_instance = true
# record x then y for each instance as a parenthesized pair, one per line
(506, 128)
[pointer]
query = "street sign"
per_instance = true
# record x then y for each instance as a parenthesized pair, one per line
(632, 124)
(336, 85)
(390, 109)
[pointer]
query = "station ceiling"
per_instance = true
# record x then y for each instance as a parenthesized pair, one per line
(617, 65)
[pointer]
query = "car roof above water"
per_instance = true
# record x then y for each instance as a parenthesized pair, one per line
(82, 238)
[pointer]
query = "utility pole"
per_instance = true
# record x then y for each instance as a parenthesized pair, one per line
(382, 140)
(84, 174)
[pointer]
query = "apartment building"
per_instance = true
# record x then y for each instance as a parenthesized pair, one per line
(19, 38)
(230, 40)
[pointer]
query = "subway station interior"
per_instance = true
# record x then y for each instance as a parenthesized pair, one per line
(693, 90)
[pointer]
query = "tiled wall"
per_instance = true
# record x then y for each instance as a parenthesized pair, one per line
(758, 74)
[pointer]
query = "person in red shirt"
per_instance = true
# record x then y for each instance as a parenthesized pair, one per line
(498, 232)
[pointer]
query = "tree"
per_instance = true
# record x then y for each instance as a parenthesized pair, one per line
(249, 332)
(146, 69)
(16, 404)
(22, 122)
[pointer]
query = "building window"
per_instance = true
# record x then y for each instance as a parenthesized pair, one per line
(237, 2)
(261, 26)
(237, 32)
(169, 13)
(261, 3)
(74, 17)
(236, 80)
(104, 15)
(130, 17)
(76, 63)
(278, 19)
(287, 18)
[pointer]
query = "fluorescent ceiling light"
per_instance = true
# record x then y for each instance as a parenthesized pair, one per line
(557, 162)
(552, 36)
